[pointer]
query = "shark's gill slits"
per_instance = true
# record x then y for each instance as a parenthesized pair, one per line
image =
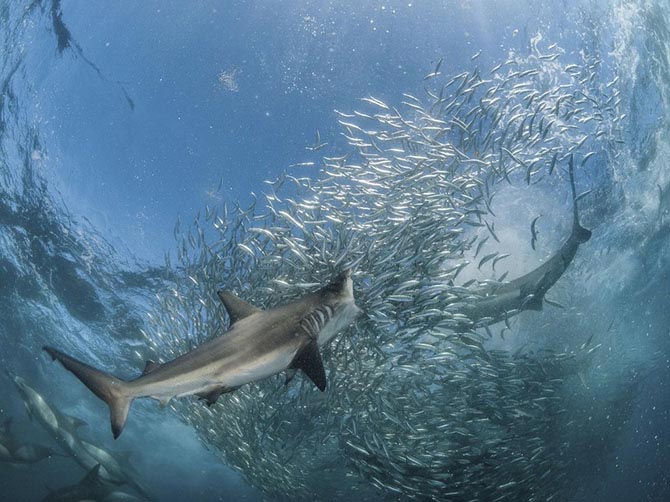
(316, 320)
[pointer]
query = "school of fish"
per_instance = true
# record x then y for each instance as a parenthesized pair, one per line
(418, 406)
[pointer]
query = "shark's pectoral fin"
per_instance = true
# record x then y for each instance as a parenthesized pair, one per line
(583, 234)
(236, 307)
(290, 373)
(533, 302)
(309, 361)
(150, 366)
(212, 396)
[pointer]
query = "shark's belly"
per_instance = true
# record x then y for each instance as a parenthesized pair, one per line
(246, 365)
(262, 366)
(495, 306)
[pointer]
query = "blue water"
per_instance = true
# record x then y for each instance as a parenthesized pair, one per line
(119, 118)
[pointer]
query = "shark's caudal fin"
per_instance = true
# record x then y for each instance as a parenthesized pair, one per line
(583, 234)
(110, 389)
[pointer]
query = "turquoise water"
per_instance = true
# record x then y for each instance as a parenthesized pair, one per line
(152, 154)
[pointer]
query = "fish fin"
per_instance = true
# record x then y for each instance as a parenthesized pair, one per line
(92, 477)
(309, 361)
(74, 422)
(150, 366)
(290, 373)
(212, 396)
(114, 391)
(236, 307)
(534, 302)
(582, 234)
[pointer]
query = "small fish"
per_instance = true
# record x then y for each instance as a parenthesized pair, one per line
(533, 232)
(587, 157)
(317, 145)
(435, 72)
(375, 102)
(480, 245)
(486, 258)
(491, 230)
(582, 195)
(553, 164)
(500, 257)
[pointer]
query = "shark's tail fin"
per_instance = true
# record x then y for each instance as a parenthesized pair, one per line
(113, 391)
(583, 234)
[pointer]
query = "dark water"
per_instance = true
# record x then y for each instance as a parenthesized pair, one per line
(117, 121)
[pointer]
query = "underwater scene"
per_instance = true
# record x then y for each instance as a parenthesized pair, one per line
(304, 250)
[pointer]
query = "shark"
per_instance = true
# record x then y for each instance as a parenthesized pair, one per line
(91, 487)
(498, 302)
(65, 430)
(15, 451)
(258, 344)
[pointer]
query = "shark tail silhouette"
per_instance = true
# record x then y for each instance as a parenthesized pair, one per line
(114, 391)
(582, 234)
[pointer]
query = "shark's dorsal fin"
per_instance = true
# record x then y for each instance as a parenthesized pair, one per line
(150, 366)
(74, 422)
(309, 361)
(236, 307)
(92, 477)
